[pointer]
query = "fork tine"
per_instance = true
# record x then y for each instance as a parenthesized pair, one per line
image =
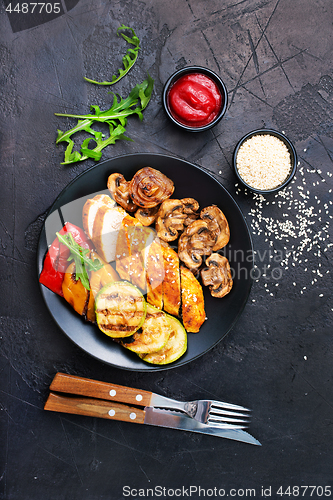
(220, 411)
(214, 418)
(227, 426)
(229, 406)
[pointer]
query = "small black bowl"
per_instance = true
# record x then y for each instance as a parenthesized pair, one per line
(205, 71)
(293, 159)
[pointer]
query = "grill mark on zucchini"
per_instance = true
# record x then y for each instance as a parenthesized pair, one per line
(118, 328)
(157, 315)
(120, 298)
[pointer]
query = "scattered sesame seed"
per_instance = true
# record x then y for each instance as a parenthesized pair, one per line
(303, 231)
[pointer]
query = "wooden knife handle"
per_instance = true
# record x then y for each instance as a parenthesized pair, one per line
(94, 408)
(80, 386)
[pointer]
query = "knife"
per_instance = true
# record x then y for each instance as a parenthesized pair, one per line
(149, 415)
(199, 410)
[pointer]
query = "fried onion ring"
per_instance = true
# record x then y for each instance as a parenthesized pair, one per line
(149, 187)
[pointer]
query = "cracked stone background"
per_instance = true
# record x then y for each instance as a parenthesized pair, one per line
(275, 57)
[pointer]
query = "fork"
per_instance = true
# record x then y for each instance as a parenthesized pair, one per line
(212, 413)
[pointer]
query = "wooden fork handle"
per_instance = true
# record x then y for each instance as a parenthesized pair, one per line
(80, 386)
(94, 408)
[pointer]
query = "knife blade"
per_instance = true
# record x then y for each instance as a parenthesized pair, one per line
(148, 415)
(177, 420)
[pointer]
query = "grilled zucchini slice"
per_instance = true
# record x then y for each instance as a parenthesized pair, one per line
(174, 348)
(120, 309)
(156, 330)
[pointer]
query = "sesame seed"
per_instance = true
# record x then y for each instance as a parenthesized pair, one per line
(263, 161)
(300, 225)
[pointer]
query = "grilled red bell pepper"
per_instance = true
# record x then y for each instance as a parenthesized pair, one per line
(56, 263)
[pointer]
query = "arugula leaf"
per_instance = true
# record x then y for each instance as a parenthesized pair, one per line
(83, 263)
(128, 59)
(115, 117)
(81, 125)
(96, 153)
(145, 92)
(119, 109)
(71, 157)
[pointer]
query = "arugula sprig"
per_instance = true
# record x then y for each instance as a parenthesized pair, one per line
(128, 59)
(83, 264)
(119, 110)
(115, 117)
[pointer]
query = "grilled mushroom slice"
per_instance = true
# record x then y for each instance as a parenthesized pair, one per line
(217, 275)
(191, 207)
(170, 220)
(147, 215)
(119, 189)
(197, 240)
(149, 187)
(218, 224)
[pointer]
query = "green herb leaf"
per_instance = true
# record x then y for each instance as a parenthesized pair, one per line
(70, 155)
(83, 264)
(119, 110)
(128, 59)
(81, 125)
(145, 92)
(115, 117)
(96, 153)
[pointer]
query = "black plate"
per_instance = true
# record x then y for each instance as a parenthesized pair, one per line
(190, 181)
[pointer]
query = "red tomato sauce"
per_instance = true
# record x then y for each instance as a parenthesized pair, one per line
(194, 100)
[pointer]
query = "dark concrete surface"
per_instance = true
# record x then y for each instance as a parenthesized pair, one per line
(275, 57)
